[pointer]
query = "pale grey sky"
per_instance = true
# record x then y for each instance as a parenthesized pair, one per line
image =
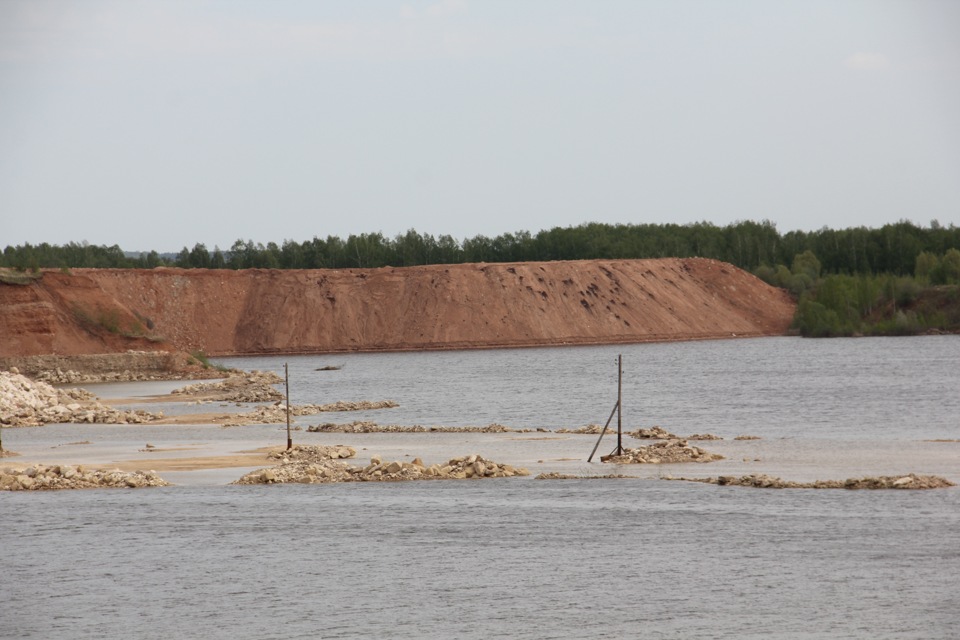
(160, 124)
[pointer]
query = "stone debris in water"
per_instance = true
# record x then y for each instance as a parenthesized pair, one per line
(748, 438)
(28, 403)
(53, 477)
(668, 452)
(658, 433)
(277, 413)
(312, 453)
(372, 427)
(329, 471)
(554, 475)
(653, 433)
(255, 386)
(590, 429)
(763, 481)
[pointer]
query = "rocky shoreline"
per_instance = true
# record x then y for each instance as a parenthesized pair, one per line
(58, 477)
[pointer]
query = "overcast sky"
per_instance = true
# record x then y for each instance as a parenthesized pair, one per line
(161, 124)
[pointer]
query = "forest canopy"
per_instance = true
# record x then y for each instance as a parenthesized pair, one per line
(890, 249)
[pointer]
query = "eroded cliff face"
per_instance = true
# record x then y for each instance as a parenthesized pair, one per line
(226, 312)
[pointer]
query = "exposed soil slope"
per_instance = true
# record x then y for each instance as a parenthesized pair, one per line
(434, 307)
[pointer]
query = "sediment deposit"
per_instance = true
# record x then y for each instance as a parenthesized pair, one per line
(224, 312)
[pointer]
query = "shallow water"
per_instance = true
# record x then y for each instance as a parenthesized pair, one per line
(524, 558)
(773, 387)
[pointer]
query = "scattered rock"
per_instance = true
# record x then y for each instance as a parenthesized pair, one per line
(653, 433)
(312, 453)
(704, 436)
(590, 429)
(669, 452)
(328, 470)
(277, 413)
(49, 478)
(255, 386)
(553, 475)
(763, 481)
(372, 427)
(748, 438)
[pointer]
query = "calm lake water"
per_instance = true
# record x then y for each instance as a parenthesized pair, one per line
(523, 558)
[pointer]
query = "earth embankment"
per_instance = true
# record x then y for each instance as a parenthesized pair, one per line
(224, 312)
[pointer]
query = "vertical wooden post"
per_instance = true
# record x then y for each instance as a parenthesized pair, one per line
(620, 404)
(286, 374)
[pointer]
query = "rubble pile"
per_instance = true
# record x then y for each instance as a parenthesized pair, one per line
(255, 386)
(763, 481)
(329, 471)
(668, 452)
(48, 478)
(27, 403)
(704, 436)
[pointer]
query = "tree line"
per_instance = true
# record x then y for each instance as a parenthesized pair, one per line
(890, 249)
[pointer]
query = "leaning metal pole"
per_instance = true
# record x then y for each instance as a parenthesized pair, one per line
(590, 459)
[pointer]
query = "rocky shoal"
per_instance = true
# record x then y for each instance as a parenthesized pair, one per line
(366, 426)
(277, 413)
(763, 481)
(658, 433)
(29, 403)
(362, 426)
(667, 452)
(296, 469)
(255, 386)
(53, 477)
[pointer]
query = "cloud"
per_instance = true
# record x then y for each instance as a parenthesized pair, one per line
(867, 61)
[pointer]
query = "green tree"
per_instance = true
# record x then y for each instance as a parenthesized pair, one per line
(806, 263)
(926, 266)
(950, 265)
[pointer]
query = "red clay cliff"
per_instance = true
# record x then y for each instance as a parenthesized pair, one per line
(224, 312)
